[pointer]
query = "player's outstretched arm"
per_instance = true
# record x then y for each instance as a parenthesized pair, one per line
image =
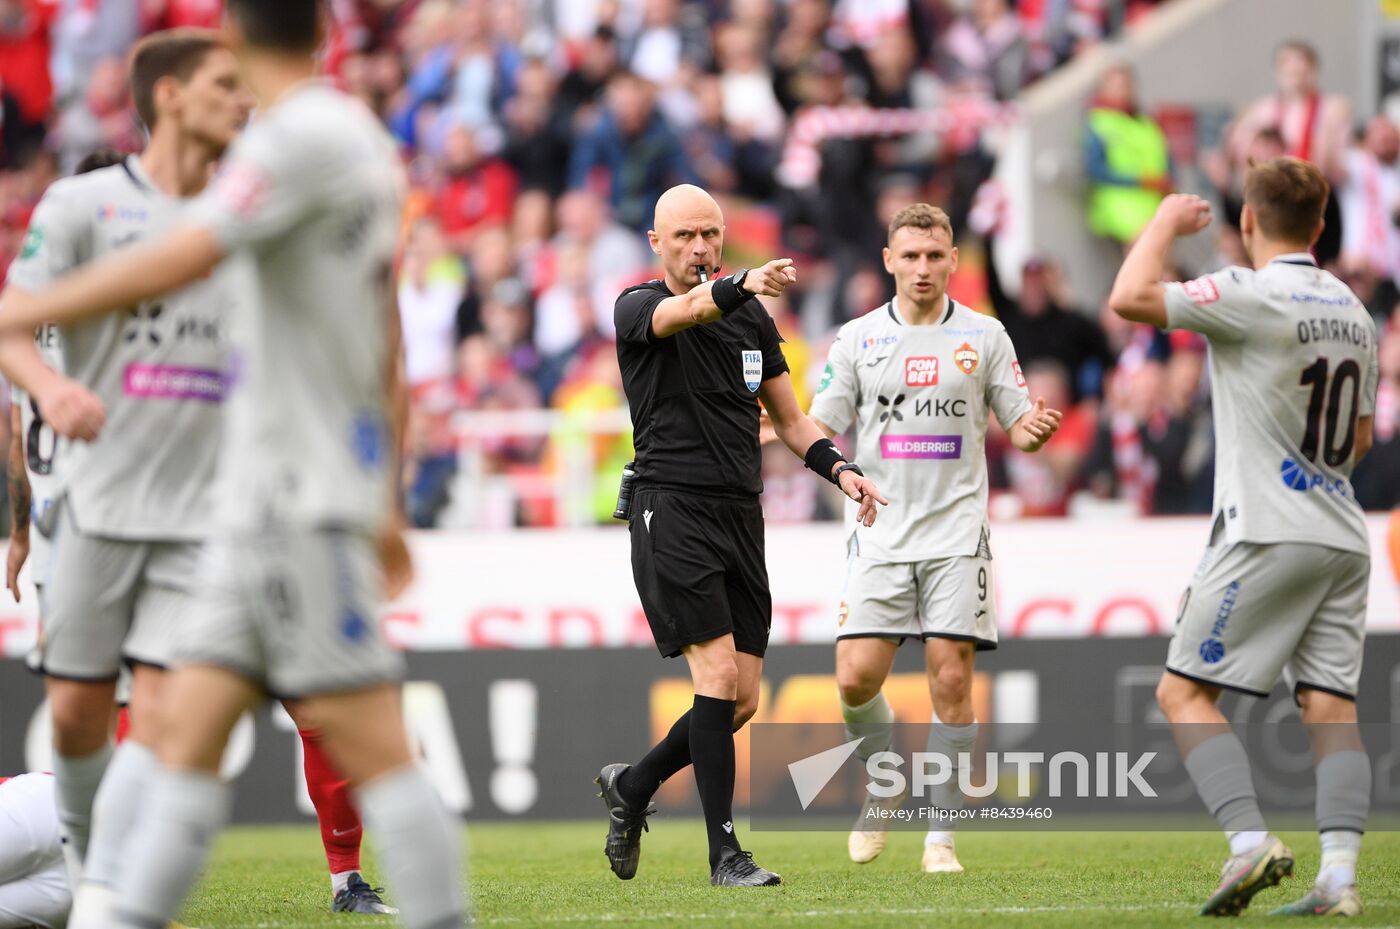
(18, 483)
(701, 304)
(120, 280)
(1138, 294)
(1034, 429)
(799, 433)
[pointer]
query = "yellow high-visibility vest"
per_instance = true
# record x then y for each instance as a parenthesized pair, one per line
(1134, 146)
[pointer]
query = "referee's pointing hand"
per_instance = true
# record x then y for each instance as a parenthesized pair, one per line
(772, 278)
(863, 491)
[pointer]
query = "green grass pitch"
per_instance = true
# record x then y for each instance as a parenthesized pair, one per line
(556, 875)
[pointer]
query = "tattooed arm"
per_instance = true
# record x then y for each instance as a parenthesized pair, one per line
(18, 485)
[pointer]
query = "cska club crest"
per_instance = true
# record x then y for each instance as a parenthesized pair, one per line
(966, 358)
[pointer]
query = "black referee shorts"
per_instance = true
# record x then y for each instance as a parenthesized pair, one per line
(700, 570)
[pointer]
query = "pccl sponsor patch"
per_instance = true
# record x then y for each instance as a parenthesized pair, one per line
(966, 358)
(128, 214)
(921, 372)
(1201, 290)
(1020, 378)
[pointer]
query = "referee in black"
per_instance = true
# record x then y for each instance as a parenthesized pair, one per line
(696, 356)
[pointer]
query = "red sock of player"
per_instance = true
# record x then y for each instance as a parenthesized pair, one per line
(341, 829)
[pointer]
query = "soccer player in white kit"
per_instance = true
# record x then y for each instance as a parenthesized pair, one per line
(130, 508)
(307, 206)
(33, 461)
(1281, 589)
(918, 377)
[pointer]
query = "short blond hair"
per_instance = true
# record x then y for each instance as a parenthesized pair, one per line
(923, 216)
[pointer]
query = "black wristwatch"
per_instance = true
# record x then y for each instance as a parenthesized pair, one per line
(848, 466)
(738, 277)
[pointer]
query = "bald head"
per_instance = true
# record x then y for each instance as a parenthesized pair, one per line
(688, 234)
(685, 203)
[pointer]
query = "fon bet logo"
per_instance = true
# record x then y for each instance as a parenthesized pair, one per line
(966, 358)
(921, 372)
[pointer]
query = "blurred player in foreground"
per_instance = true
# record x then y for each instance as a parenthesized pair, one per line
(308, 542)
(130, 508)
(918, 377)
(696, 356)
(1282, 585)
(185, 82)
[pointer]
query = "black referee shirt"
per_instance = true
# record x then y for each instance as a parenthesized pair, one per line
(694, 394)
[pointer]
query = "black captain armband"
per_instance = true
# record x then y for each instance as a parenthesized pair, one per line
(728, 292)
(822, 457)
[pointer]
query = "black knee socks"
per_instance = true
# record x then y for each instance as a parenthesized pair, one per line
(712, 754)
(639, 782)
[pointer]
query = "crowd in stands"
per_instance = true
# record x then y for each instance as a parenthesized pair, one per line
(538, 135)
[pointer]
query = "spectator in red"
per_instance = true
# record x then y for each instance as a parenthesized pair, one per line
(177, 14)
(478, 190)
(25, 49)
(1315, 126)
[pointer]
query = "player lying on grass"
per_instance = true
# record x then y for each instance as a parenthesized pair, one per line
(1281, 589)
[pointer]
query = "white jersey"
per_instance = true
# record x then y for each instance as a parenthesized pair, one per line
(158, 368)
(308, 205)
(919, 397)
(1292, 366)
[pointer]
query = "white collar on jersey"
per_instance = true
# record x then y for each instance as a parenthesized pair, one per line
(1294, 258)
(895, 315)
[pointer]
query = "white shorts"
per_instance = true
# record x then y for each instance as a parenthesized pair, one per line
(108, 600)
(295, 611)
(1256, 611)
(33, 881)
(944, 598)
